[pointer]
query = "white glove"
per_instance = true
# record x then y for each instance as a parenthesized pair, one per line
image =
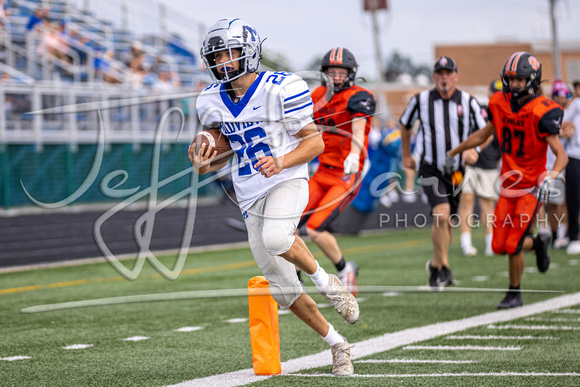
(546, 189)
(351, 164)
(449, 162)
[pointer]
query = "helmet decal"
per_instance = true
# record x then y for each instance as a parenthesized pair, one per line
(335, 56)
(513, 63)
(534, 63)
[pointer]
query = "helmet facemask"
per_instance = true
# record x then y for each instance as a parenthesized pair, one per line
(225, 76)
(338, 57)
(230, 35)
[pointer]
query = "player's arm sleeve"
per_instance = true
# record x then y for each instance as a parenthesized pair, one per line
(477, 118)
(411, 113)
(297, 104)
(362, 104)
(489, 114)
(551, 122)
(209, 115)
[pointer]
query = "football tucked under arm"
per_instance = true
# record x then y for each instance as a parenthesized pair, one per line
(215, 139)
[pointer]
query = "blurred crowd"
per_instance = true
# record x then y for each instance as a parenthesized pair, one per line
(59, 43)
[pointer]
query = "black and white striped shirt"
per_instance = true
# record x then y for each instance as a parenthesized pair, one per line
(444, 123)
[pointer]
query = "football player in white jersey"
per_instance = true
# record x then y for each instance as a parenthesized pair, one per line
(266, 116)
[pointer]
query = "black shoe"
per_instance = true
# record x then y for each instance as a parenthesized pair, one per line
(434, 275)
(541, 244)
(512, 299)
(445, 277)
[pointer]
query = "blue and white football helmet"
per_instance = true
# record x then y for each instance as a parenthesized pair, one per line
(229, 34)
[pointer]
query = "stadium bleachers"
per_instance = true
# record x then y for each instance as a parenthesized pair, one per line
(100, 35)
(77, 92)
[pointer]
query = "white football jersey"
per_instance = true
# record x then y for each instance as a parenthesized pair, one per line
(276, 107)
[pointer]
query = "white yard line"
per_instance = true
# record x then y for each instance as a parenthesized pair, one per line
(78, 346)
(136, 338)
(492, 337)
(535, 327)
(237, 320)
(573, 311)
(460, 348)
(554, 319)
(393, 340)
(188, 329)
(449, 374)
(418, 361)
(12, 358)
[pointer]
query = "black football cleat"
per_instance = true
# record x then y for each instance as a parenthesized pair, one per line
(512, 299)
(541, 245)
(434, 275)
(445, 277)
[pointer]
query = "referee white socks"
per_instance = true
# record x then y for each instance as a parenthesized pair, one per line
(465, 240)
(488, 240)
(332, 337)
(319, 277)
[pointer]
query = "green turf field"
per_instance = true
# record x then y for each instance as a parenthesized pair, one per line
(538, 349)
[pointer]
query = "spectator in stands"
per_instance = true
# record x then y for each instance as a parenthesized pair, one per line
(4, 13)
(37, 17)
(53, 41)
(576, 85)
(105, 68)
(135, 60)
(157, 64)
(167, 80)
(79, 44)
(135, 57)
(135, 78)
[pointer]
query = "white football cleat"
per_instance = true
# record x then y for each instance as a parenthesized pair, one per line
(469, 251)
(573, 248)
(341, 364)
(341, 300)
(409, 197)
(561, 243)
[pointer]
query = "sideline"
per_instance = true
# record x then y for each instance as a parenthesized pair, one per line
(388, 341)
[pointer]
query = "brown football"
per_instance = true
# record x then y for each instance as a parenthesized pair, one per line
(217, 140)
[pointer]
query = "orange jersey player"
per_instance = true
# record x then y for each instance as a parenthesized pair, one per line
(526, 123)
(343, 111)
(335, 118)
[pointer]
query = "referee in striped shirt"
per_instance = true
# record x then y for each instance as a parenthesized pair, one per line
(447, 116)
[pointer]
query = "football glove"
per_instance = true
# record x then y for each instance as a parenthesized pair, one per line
(448, 167)
(351, 164)
(545, 189)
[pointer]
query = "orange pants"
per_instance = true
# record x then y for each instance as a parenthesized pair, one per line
(513, 219)
(330, 192)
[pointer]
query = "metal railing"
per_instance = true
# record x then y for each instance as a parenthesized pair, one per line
(46, 112)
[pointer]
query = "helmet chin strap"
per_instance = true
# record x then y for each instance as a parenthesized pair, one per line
(520, 93)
